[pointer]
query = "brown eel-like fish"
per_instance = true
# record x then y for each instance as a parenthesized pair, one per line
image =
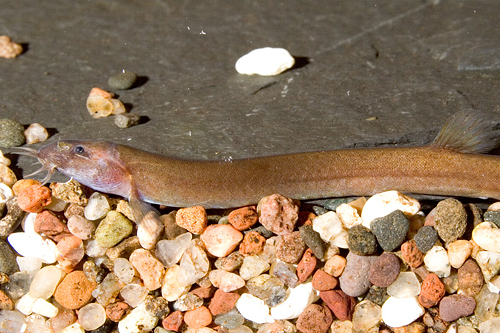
(451, 165)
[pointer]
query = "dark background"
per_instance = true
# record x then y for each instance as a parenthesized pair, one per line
(410, 64)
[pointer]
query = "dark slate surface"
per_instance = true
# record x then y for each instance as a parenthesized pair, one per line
(410, 64)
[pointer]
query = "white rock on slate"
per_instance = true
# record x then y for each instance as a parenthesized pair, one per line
(487, 236)
(436, 261)
(138, 321)
(299, 298)
(385, 203)
(266, 61)
(35, 133)
(34, 245)
(254, 309)
(397, 312)
(328, 226)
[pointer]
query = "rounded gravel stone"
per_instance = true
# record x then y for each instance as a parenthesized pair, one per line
(391, 230)
(384, 270)
(455, 306)
(492, 216)
(313, 240)
(11, 133)
(355, 280)
(450, 219)
(8, 264)
(361, 240)
(425, 238)
(470, 278)
(122, 81)
(315, 319)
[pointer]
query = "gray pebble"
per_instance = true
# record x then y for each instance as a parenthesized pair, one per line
(361, 240)
(425, 238)
(318, 210)
(377, 295)
(450, 219)
(262, 231)
(13, 218)
(493, 217)
(230, 320)
(122, 81)
(11, 133)
(125, 120)
(278, 295)
(391, 230)
(8, 263)
(313, 240)
(355, 280)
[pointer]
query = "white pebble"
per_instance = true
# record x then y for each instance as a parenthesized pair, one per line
(94, 249)
(266, 61)
(45, 282)
(348, 215)
(124, 270)
(406, 285)
(134, 294)
(170, 251)
(138, 321)
(73, 328)
(253, 266)
(25, 304)
(44, 308)
(97, 207)
(4, 160)
(149, 231)
(487, 236)
(35, 133)
(12, 321)
(253, 309)
(28, 264)
(458, 252)
(172, 288)
(341, 240)
(298, 299)
(436, 261)
(489, 262)
(28, 223)
(92, 316)
(494, 284)
(397, 312)
(5, 193)
(328, 226)
(384, 203)
(34, 245)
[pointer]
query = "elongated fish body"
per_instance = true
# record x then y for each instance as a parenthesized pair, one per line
(451, 165)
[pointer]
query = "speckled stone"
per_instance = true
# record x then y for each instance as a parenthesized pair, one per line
(8, 264)
(377, 295)
(112, 229)
(391, 230)
(313, 240)
(361, 240)
(11, 133)
(122, 81)
(455, 306)
(411, 254)
(450, 219)
(278, 214)
(384, 270)
(243, 218)
(75, 290)
(323, 281)
(432, 291)
(306, 265)
(492, 216)
(355, 280)
(341, 304)
(126, 120)
(116, 311)
(290, 247)
(315, 319)
(470, 278)
(252, 244)
(425, 238)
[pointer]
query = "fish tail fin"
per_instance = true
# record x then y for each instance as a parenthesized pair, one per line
(468, 131)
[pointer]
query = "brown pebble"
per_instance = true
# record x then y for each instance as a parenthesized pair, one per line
(341, 304)
(411, 254)
(74, 209)
(124, 249)
(315, 319)
(432, 291)
(278, 214)
(193, 219)
(323, 281)
(306, 265)
(173, 321)
(71, 252)
(34, 198)
(222, 302)
(243, 218)
(198, 318)
(290, 247)
(470, 278)
(450, 219)
(6, 302)
(203, 292)
(49, 224)
(74, 291)
(116, 311)
(230, 263)
(384, 270)
(455, 306)
(252, 244)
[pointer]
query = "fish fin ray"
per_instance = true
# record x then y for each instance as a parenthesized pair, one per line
(140, 208)
(468, 132)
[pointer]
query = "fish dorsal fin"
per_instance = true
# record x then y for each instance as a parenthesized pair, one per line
(468, 132)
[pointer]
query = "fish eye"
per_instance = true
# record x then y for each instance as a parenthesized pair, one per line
(79, 149)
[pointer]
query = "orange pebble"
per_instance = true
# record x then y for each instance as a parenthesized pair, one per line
(23, 183)
(34, 198)
(198, 318)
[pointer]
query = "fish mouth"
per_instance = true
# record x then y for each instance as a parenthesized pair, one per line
(46, 166)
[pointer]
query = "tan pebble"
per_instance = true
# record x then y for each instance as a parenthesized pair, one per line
(487, 236)
(101, 104)
(7, 176)
(149, 268)
(385, 203)
(414, 327)
(243, 218)
(4, 160)
(124, 249)
(203, 292)
(70, 191)
(335, 265)
(348, 215)
(315, 319)
(290, 247)
(278, 214)
(194, 219)
(74, 291)
(458, 252)
(198, 318)
(226, 281)
(221, 239)
(252, 244)
(341, 326)
(35, 133)
(9, 49)
(34, 198)
(74, 210)
(470, 278)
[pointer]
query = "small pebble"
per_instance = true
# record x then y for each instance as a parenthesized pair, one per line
(222, 302)
(384, 203)
(91, 316)
(265, 61)
(97, 207)
(366, 317)
(80, 227)
(455, 306)
(34, 198)
(12, 218)
(306, 266)
(173, 321)
(116, 311)
(101, 103)
(124, 248)
(231, 320)
(489, 262)
(45, 282)
(134, 294)
(348, 215)
(253, 266)
(149, 268)
(458, 252)
(286, 273)
(49, 224)
(470, 278)
(493, 217)
(411, 254)
(194, 263)
(74, 291)
(112, 229)
(450, 219)
(432, 291)
(328, 226)
(194, 219)
(487, 236)
(33, 245)
(278, 214)
(169, 252)
(226, 281)
(341, 304)
(150, 230)
(390, 230)
(139, 320)
(315, 319)
(198, 318)
(361, 240)
(221, 239)
(425, 238)
(253, 309)
(12, 133)
(188, 302)
(377, 295)
(335, 265)
(436, 260)
(4, 160)
(384, 270)
(243, 218)
(397, 312)
(122, 81)
(35, 133)
(252, 244)
(313, 240)
(9, 49)
(70, 191)
(7, 176)
(172, 288)
(290, 247)
(323, 281)
(230, 263)
(298, 299)
(406, 285)
(126, 120)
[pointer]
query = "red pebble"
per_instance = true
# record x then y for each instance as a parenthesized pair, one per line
(411, 254)
(341, 304)
(243, 218)
(222, 302)
(323, 281)
(34, 198)
(432, 291)
(306, 265)
(252, 244)
(116, 311)
(198, 318)
(173, 321)
(48, 224)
